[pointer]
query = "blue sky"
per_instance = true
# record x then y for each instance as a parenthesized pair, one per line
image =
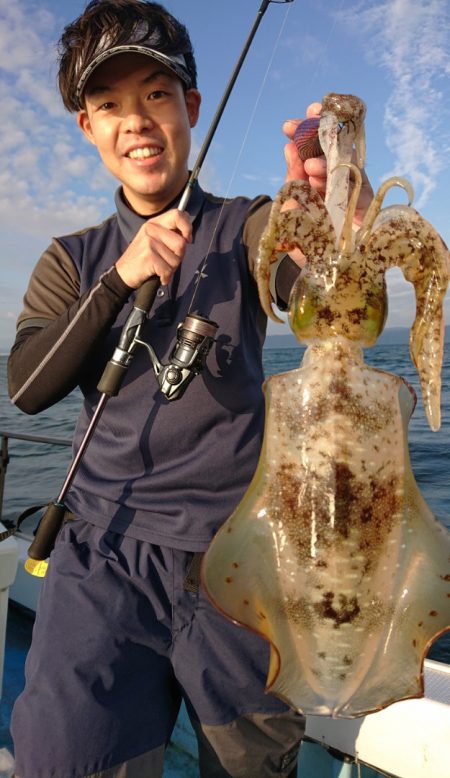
(395, 55)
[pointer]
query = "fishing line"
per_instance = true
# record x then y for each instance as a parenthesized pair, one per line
(251, 120)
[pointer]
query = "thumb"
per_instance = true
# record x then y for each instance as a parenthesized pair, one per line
(178, 221)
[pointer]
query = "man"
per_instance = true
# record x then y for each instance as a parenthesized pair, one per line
(123, 631)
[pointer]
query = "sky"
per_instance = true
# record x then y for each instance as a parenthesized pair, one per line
(395, 55)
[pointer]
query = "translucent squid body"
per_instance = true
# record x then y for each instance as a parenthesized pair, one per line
(333, 555)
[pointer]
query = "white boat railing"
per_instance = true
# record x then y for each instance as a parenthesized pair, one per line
(23, 588)
(408, 739)
(6, 436)
(9, 555)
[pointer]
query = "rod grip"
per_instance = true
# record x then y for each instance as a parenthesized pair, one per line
(47, 531)
(116, 369)
(147, 293)
(112, 378)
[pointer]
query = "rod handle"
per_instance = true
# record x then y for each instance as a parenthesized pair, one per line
(112, 378)
(147, 293)
(47, 531)
(117, 367)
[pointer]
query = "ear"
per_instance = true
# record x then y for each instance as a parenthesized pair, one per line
(85, 126)
(193, 99)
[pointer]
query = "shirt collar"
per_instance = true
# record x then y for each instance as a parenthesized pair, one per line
(130, 222)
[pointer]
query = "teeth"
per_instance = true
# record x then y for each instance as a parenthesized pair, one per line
(143, 153)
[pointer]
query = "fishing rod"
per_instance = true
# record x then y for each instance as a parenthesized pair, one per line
(195, 337)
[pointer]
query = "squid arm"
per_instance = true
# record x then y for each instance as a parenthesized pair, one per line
(400, 237)
(307, 227)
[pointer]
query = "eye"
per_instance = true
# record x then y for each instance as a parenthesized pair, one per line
(107, 106)
(157, 94)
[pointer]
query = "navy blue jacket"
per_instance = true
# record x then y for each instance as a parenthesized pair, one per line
(169, 473)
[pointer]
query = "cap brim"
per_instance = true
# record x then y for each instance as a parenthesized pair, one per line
(175, 62)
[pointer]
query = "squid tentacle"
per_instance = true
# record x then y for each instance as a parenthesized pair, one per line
(342, 137)
(404, 239)
(346, 236)
(375, 206)
(306, 227)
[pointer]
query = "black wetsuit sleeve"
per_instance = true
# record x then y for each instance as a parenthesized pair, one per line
(285, 271)
(287, 274)
(49, 356)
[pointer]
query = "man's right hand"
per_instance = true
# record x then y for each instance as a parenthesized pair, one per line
(157, 249)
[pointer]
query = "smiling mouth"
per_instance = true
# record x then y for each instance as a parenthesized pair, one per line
(145, 152)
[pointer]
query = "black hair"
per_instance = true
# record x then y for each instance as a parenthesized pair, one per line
(121, 20)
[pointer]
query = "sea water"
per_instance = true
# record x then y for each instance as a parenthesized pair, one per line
(36, 471)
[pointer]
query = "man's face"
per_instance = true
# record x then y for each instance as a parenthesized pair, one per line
(139, 118)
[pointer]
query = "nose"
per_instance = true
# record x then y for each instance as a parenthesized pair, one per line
(137, 119)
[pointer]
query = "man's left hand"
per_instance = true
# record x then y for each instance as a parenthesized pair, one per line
(314, 170)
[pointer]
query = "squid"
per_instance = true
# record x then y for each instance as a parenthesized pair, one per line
(333, 555)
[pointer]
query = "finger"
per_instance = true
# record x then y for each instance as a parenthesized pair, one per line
(314, 109)
(289, 205)
(316, 170)
(175, 220)
(319, 184)
(295, 167)
(182, 224)
(164, 237)
(366, 185)
(163, 262)
(289, 127)
(316, 166)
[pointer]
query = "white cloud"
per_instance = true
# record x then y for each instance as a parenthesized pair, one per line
(42, 92)
(410, 40)
(276, 180)
(43, 161)
(251, 177)
(21, 43)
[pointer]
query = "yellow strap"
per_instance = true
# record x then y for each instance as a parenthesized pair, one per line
(36, 567)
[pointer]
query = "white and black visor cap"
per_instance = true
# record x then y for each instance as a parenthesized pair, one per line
(174, 62)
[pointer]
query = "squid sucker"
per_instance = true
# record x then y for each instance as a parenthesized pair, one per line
(333, 555)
